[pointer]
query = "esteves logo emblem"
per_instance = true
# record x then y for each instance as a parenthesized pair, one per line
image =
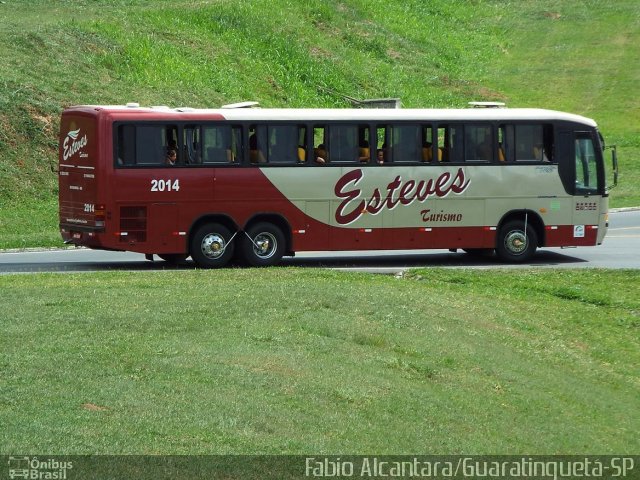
(77, 144)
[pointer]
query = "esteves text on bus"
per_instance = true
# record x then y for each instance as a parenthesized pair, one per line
(258, 184)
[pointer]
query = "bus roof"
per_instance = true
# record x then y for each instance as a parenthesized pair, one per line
(341, 114)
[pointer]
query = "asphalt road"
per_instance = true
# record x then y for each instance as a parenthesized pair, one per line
(621, 249)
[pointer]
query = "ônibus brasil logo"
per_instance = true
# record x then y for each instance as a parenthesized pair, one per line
(77, 144)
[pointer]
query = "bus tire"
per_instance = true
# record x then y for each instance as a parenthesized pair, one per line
(211, 246)
(514, 245)
(262, 245)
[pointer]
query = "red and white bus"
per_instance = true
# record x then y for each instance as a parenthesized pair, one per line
(258, 184)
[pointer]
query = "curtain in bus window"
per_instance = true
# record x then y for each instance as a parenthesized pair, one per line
(236, 143)
(283, 144)
(192, 145)
(586, 166)
(126, 145)
(343, 143)
(529, 143)
(216, 144)
(151, 145)
(478, 143)
(406, 143)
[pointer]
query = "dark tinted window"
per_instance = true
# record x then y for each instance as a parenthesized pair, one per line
(147, 145)
(221, 144)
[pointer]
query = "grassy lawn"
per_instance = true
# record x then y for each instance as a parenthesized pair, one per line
(289, 360)
(32, 225)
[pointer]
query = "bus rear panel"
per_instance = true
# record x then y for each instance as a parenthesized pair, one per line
(81, 212)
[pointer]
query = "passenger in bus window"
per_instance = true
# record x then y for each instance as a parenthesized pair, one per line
(363, 152)
(386, 153)
(380, 156)
(321, 154)
(255, 155)
(427, 152)
(539, 154)
(171, 157)
(172, 153)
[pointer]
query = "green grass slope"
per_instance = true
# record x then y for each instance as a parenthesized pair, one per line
(309, 361)
(571, 55)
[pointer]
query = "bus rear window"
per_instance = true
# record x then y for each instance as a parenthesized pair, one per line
(146, 145)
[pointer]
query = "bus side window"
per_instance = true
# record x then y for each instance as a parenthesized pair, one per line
(450, 143)
(302, 143)
(320, 153)
(505, 143)
(382, 152)
(217, 144)
(172, 154)
(534, 143)
(147, 145)
(428, 144)
(478, 143)
(237, 144)
(257, 144)
(364, 144)
(548, 144)
(406, 143)
(441, 144)
(344, 144)
(126, 148)
(283, 143)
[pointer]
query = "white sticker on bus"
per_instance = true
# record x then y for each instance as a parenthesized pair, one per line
(168, 185)
(578, 231)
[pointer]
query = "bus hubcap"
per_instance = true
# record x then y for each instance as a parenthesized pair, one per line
(213, 245)
(515, 242)
(264, 245)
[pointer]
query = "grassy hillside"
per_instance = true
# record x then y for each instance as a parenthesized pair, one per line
(575, 56)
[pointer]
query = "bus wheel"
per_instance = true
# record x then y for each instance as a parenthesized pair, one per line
(262, 245)
(211, 246)
(173, 258)
(516, 245)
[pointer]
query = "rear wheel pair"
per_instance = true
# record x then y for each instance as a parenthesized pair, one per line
(213, 245)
